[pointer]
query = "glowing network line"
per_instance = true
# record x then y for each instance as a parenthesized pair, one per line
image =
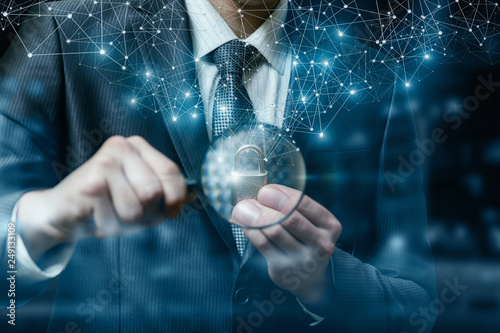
(342, 61)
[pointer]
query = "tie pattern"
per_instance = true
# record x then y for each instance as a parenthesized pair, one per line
(232, 105)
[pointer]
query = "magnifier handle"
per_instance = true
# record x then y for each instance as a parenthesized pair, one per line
(193, 188)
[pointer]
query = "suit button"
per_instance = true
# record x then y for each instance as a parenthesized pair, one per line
(241, 296)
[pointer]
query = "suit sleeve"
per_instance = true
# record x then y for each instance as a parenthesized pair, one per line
(31, 97)
(394, 291)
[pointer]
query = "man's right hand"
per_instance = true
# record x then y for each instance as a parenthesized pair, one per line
(126, 186)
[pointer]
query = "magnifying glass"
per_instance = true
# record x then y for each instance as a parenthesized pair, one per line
(237, 165)
(243, 160)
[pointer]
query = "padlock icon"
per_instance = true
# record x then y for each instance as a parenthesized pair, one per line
(247, 183)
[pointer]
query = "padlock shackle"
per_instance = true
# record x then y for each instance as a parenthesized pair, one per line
(253, 148)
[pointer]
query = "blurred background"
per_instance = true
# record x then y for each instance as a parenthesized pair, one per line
(462, 177)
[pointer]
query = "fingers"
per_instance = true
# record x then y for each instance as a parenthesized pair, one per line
(128, 182)
(166, 171)
(143, 181)
(106, 222)
(125, 202)
(268, 250)
(284, 199)
(152, 176)
(114, 200)
(311, 224)
(133, 185)
(290, 235)
(252, 211)
(278, 197)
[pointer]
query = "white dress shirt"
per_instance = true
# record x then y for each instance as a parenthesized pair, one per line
(266, 82)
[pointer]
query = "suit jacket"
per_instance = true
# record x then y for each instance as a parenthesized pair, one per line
(186, 274)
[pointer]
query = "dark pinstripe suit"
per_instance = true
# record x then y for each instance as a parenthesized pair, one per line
(182, 275)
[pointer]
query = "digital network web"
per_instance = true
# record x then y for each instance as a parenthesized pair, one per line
(341, 51)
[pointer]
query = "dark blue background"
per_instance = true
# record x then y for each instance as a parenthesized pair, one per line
(463, 191)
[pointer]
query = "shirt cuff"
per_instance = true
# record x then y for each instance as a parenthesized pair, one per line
(54, 264)
(317, 319)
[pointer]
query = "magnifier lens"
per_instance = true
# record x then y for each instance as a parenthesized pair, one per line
(242, 160)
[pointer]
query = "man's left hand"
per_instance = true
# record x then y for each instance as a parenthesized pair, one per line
(298, 249)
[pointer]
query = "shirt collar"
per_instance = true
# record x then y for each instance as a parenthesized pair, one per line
(209, 31)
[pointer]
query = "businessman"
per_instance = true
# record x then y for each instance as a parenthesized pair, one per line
(93, 162)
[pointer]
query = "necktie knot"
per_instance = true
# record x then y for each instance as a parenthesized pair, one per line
(233, 56)
(232, 105)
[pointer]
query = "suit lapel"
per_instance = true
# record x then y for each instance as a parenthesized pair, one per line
(170, 81)
(170, 78)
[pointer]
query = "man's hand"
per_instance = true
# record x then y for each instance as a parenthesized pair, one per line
(125, 187)
(297, 250)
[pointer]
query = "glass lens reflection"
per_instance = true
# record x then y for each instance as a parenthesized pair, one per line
(238, 163)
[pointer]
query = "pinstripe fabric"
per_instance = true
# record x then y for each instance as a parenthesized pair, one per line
(181, 276)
